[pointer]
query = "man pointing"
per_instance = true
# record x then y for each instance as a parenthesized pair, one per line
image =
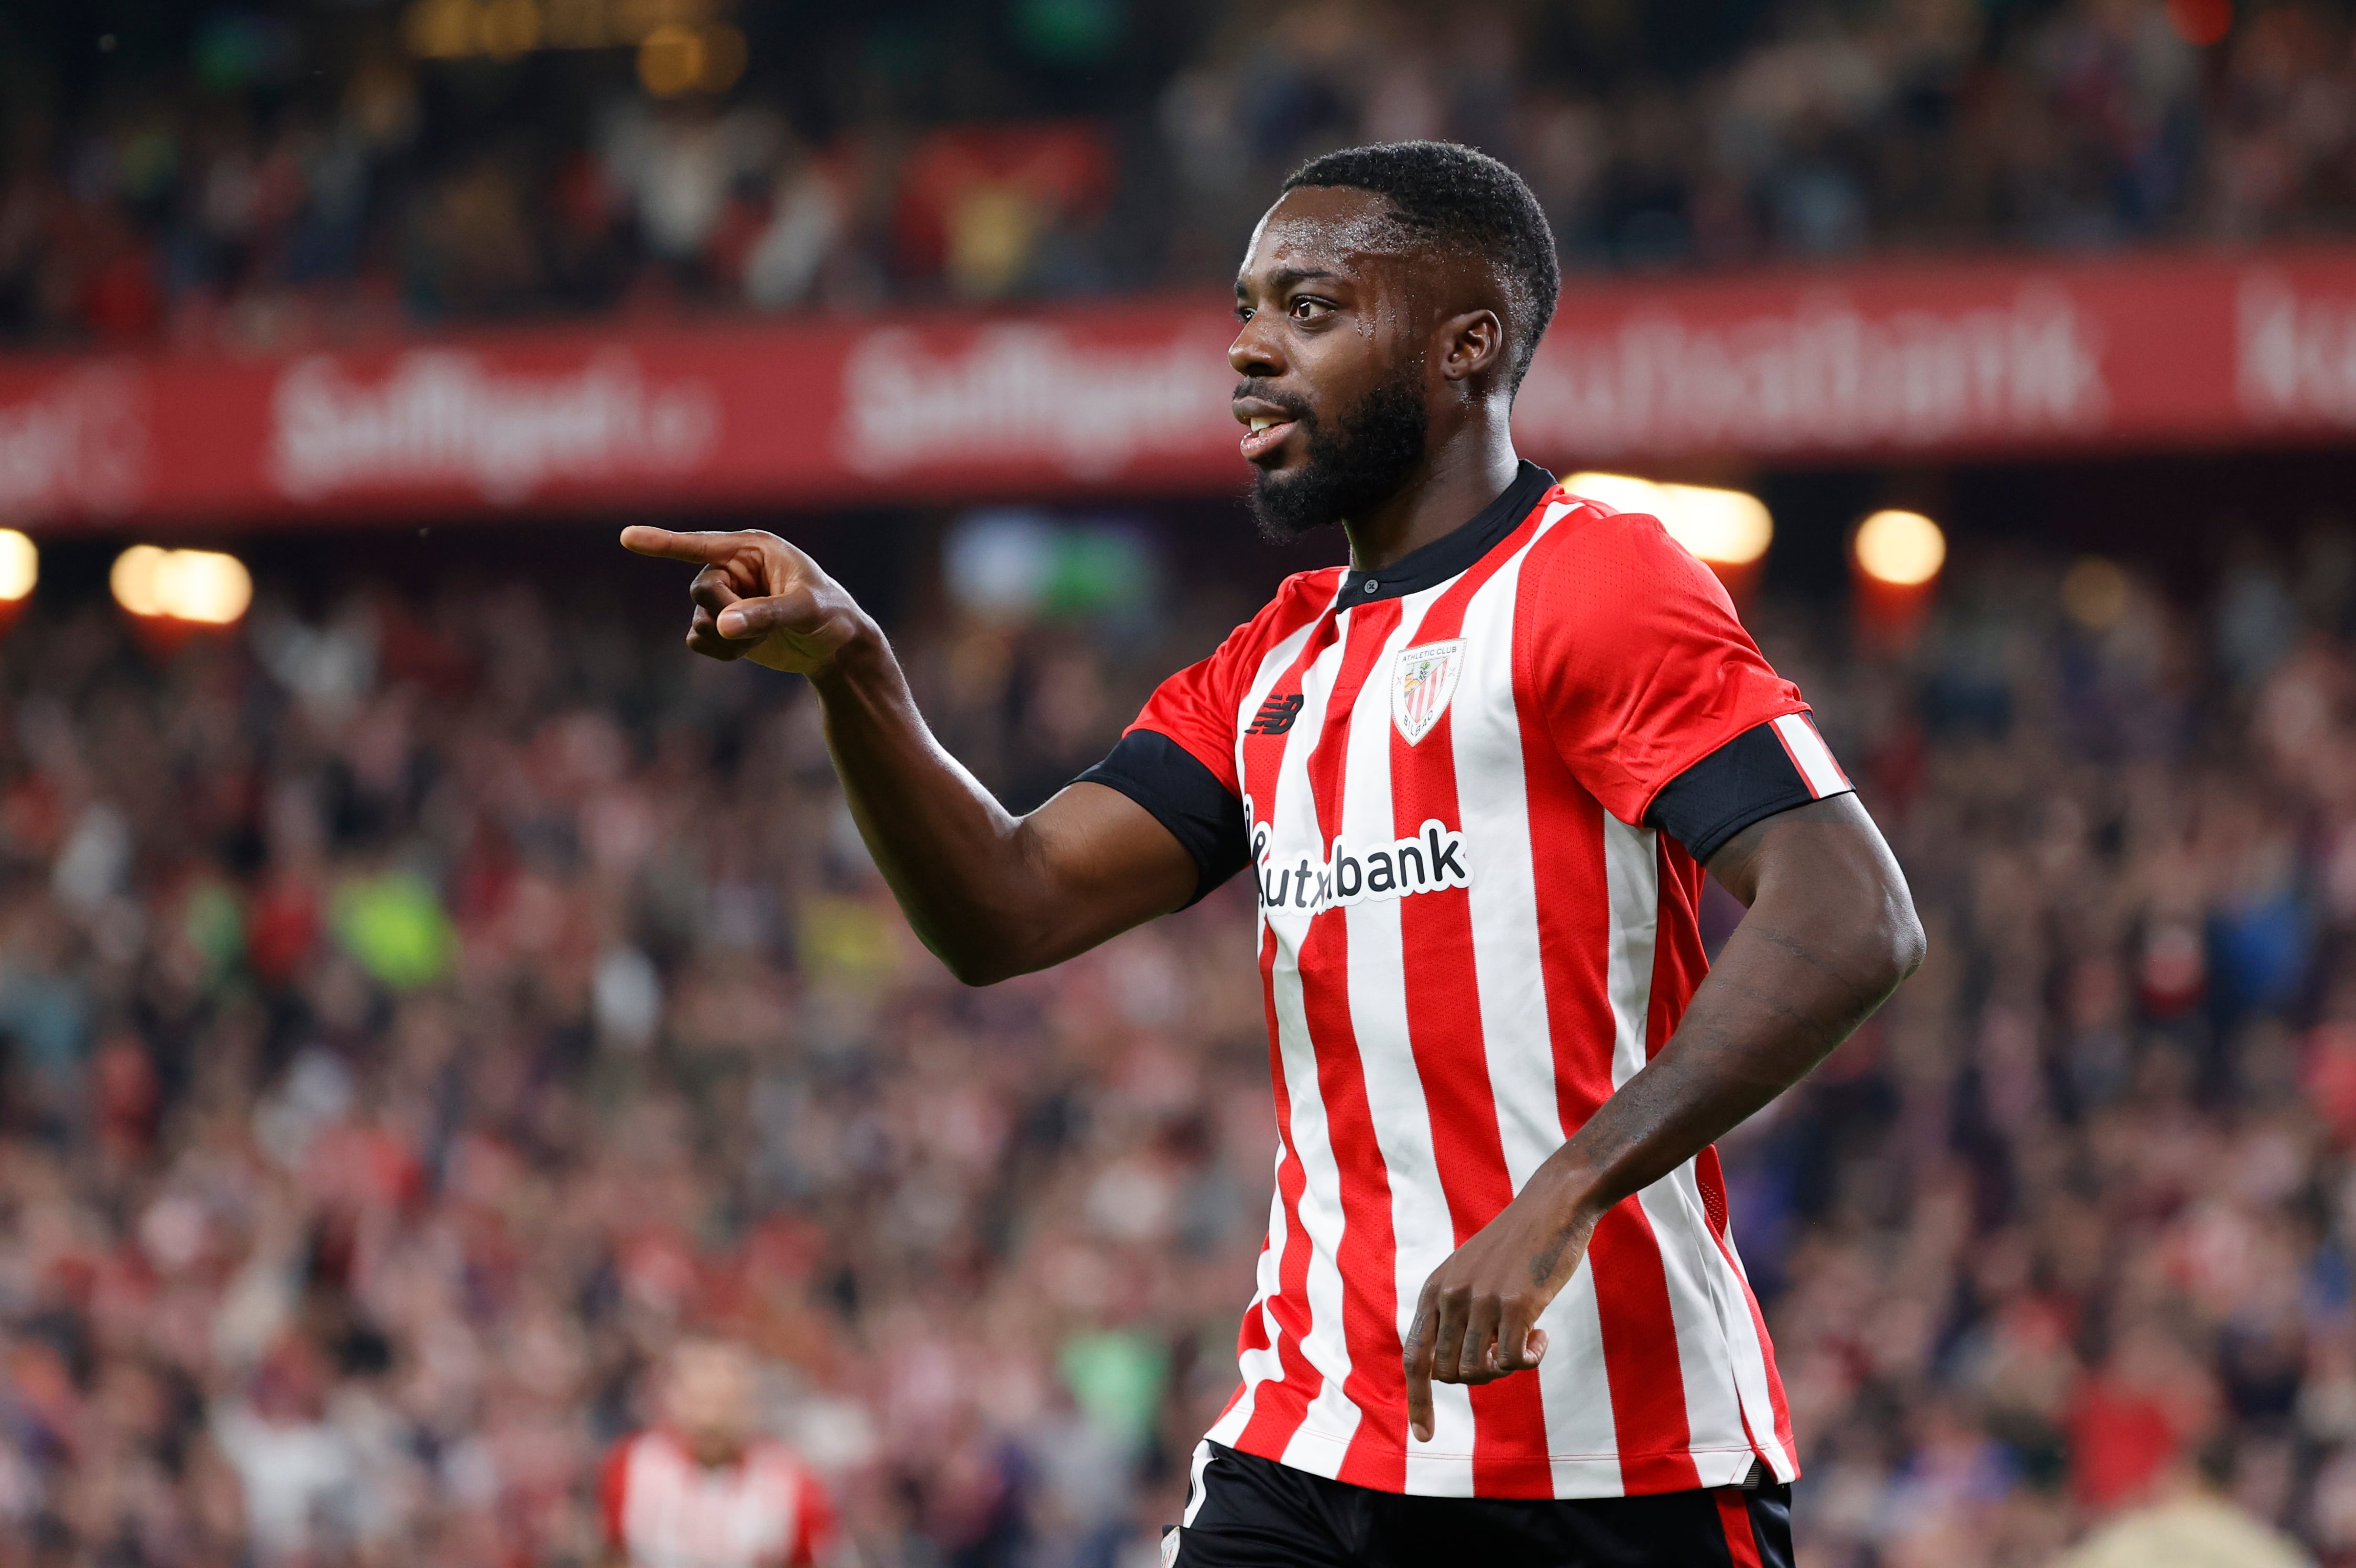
(1476, 775)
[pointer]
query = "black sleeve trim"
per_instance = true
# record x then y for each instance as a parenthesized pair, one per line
(1748, 779)
(1185, 797)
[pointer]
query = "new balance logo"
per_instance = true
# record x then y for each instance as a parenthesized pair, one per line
(1276, 714)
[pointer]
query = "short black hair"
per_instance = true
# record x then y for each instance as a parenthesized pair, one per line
(1455, 196)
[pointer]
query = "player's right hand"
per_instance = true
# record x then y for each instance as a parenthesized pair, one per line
(757, 597)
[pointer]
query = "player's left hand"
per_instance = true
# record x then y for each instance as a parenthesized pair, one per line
(1476, 1320)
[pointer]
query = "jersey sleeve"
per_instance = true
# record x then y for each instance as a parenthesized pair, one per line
(1768, 768)
(1637, 661)
(1178, 759)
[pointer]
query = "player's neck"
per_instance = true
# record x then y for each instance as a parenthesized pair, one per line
(1456, 479)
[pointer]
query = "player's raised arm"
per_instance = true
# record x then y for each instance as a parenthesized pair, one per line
(992, 893)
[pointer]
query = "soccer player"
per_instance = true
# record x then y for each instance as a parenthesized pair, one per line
(1475, 777)
(703, 1489)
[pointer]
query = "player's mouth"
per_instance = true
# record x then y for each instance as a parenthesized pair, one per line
(1266, 426)
(1264, 437)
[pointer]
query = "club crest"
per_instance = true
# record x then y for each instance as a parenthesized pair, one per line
(1422, 681)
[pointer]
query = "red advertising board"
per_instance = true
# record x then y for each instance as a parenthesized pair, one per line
(1932, 361)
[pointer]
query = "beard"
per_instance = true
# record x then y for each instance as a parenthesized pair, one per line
(1352, 469)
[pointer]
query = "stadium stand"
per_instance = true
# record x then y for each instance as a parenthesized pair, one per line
(421, 1010)
(259, 179)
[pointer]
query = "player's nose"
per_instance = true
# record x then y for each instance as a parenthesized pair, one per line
(1254, 351)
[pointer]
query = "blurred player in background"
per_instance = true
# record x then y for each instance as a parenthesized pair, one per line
(704, 1487)
(1476, 776)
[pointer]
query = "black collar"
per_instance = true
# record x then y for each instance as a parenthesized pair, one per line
(1431, 565)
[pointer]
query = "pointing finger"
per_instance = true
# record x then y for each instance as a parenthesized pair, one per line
(708, 548)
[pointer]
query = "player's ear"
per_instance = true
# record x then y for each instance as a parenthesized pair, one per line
(1471, 345)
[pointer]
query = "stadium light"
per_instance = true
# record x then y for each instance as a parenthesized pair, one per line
(673, 59)
(20, 568)
(1895, 558)
(194, 587)
(1728, 531)
(1903, 548)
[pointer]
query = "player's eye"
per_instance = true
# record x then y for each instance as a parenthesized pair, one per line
(1243, 313)
(1307, 308)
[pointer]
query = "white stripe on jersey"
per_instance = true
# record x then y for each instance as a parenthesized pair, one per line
(1734, 1339)
(1264, 1365)
(1633, 876)
(1511, 980)
(1323, 1437)
(1721, 1449)
(1422, 1231)
(1810, 756)
(1751, 1361)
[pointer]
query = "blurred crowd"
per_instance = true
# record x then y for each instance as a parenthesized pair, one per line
(421, 1011)
(264, 177)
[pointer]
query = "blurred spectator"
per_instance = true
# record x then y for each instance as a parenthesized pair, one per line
(270, 179)
(2195, 1527)
(704, 1489)
(422, 1013)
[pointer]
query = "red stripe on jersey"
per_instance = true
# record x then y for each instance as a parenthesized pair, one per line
(1680, 962)
(1632, 1291)
(1443, 1021)
(1366, 1258)
(1640, 1353)
(1277, 1409)
(1734, 1514)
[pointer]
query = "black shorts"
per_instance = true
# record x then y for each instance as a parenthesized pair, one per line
(1246, 1512)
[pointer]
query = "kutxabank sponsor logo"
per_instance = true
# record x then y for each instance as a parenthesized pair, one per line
(443, 416)
(1432, 858)
(78, 444)
(1027, 393)
(1821, 374)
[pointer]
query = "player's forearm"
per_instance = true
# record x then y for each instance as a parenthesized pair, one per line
(960, 863)
(1830, 933)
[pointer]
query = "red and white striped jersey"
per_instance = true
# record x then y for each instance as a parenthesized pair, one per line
(1477, 918)
(662, 1509)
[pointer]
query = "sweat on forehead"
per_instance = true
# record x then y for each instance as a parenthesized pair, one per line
(1340, 222)
(1343, 228)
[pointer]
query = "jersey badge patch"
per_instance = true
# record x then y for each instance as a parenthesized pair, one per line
(1422, 681)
